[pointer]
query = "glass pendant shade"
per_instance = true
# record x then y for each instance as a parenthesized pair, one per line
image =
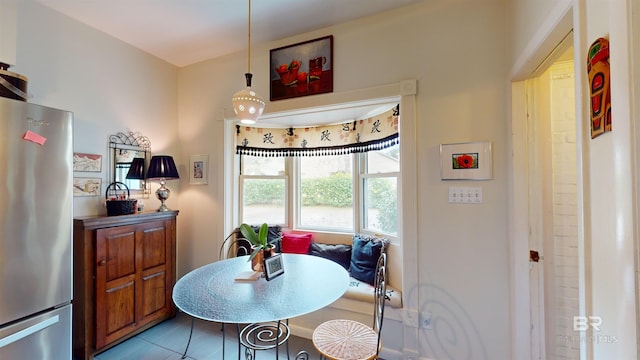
(247, 105)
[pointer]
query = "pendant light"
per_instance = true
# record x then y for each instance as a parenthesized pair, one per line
(247, 105)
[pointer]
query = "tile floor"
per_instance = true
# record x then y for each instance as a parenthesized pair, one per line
(167, 340)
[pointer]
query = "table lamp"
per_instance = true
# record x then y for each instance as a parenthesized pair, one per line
(163, 168)
(136, 170)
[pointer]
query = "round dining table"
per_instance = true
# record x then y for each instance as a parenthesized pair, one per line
(214, 291)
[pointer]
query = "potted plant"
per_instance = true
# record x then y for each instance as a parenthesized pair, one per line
(260, 247)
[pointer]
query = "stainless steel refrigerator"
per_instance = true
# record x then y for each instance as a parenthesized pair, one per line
(36, 198)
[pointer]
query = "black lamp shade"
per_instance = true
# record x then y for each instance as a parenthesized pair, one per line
(136, 170)
(162, 166)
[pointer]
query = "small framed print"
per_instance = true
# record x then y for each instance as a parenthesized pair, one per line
(198, 169)
(86, 186)
(273, 266)
(87, 162)
(466, 161)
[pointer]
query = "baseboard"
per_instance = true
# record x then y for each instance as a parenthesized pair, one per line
(363, 307)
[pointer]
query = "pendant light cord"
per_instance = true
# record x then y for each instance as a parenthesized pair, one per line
(249, 42)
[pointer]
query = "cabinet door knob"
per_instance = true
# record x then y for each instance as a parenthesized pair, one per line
(102, 262)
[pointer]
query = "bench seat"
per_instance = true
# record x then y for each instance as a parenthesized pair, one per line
(301, 242)
(361, 291)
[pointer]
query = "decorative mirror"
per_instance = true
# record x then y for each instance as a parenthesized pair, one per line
(129, 156)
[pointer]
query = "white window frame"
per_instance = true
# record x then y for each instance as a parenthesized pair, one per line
(363, 177)
(295, 206)
(292, 196)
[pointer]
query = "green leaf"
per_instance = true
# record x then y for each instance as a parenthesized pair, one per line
(262, 237)
(249, 234)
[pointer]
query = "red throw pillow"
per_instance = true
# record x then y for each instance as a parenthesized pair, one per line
(295, 243)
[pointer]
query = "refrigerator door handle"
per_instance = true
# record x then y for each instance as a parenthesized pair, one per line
(29, 331)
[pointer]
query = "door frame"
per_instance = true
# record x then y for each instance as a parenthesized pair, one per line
(558, 24)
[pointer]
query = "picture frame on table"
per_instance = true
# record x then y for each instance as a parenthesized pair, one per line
(273, 266)
(198, 169)
(466, 161)
(301, 69)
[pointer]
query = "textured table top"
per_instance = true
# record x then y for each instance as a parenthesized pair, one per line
(211, 292)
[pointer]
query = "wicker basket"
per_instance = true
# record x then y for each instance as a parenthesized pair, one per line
(118, 205)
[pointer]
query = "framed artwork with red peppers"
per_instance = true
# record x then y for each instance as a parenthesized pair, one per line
(302, 69)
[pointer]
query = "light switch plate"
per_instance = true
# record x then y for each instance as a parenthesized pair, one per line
(465, 195)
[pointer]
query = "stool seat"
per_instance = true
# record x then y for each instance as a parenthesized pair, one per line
(345, 340)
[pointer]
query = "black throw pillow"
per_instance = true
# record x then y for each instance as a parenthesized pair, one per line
(340, 253)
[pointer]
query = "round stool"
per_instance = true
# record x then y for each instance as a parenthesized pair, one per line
(346, 340)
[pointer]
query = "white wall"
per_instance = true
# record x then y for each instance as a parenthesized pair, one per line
(109, 86)
(534, 31)
(525, 20)
(456, 51)
(611, 243)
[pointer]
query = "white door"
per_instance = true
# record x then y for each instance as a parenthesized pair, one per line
(552, 208)
(538, 173)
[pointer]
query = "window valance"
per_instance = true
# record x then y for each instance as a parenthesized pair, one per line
(374, 133)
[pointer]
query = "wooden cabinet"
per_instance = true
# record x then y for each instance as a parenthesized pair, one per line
(124, 272)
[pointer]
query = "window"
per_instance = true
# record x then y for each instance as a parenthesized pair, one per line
(263, 190)
(322, 178)
(326, 192)
(380, 191)
(325, 195)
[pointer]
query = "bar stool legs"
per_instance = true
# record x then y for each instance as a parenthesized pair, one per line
(184, 355)
(265, 336)
(253, 338)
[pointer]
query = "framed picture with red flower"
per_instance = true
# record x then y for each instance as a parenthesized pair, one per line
(301, 69)
(466, 161)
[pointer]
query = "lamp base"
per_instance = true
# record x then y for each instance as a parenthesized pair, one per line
(163, 194)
